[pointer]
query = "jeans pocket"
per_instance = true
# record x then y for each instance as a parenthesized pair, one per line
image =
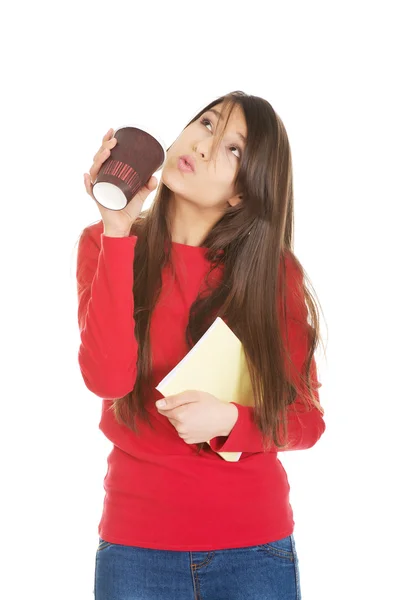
(283, 548)
(103, 544)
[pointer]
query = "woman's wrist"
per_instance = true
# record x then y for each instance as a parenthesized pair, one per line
(231, 418)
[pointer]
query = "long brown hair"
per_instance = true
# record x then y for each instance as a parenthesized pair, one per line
(255, 236)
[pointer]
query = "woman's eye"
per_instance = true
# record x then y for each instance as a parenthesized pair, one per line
(204, 121)
(208, 122)
(236, 148)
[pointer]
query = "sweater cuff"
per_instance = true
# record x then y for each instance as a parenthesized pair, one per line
(244, 437)
(118, 242)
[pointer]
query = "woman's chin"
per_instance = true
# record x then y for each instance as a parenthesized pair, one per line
(172, 179)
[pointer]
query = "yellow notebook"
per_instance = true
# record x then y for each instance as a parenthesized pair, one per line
(217, 365)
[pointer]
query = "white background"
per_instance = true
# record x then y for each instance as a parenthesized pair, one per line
(71, 72)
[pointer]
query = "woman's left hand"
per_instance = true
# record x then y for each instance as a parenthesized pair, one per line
(198, 416)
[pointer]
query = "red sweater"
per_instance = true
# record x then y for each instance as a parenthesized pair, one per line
(158, 492)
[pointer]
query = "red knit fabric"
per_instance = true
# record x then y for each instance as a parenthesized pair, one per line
(159, 493)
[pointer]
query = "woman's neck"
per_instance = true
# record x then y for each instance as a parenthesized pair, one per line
(189, 225)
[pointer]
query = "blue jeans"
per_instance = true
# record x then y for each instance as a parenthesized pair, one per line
(265, 572)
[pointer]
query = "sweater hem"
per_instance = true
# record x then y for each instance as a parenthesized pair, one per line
(199, 547)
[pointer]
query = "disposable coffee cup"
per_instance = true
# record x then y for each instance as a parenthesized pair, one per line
(137, 155)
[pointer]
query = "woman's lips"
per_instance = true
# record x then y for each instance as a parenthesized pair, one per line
(184, 166)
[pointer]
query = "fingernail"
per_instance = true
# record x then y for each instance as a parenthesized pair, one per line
(160, 403)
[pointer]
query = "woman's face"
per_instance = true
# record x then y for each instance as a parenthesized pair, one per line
(211, 185)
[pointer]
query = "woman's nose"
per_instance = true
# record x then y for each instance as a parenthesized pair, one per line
(203, 149)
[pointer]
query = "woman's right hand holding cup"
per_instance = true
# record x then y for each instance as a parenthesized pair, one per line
(117, 223)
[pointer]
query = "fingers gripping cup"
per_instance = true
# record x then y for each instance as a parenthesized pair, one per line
(134, 159)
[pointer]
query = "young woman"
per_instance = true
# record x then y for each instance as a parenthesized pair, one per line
(179, 521)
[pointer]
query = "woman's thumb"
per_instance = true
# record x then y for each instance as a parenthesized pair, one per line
(152, 184)
(146, 189)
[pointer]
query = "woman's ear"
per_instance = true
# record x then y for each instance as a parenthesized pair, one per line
(235, 200)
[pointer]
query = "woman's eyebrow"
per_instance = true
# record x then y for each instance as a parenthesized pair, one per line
(218, 114)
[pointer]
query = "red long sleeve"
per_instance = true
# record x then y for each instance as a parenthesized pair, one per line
(304, 427)
(155, 482)
(108, 350)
